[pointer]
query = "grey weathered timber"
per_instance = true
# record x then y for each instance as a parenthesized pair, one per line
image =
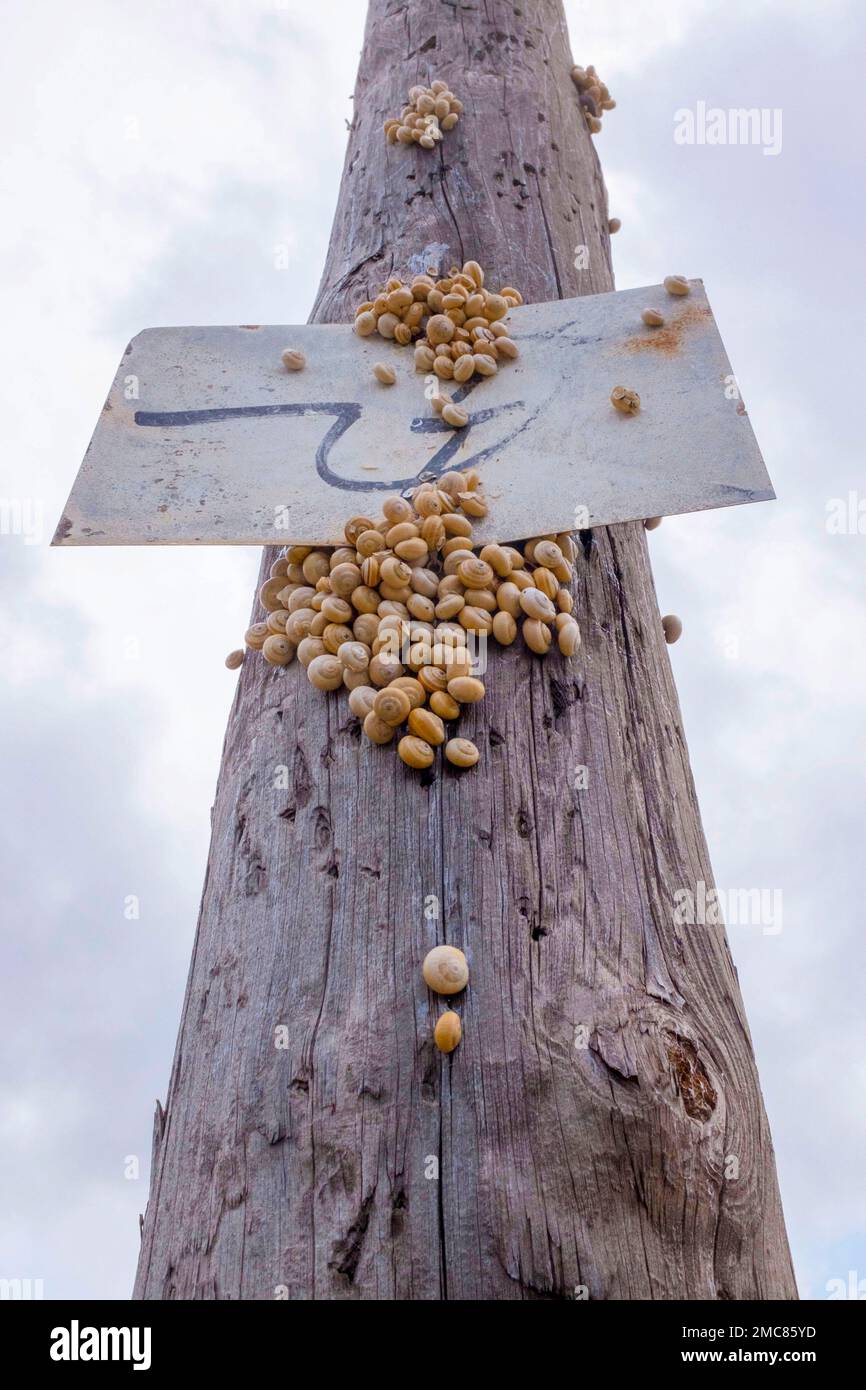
(310, 1171)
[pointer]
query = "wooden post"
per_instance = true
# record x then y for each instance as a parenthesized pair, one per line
(584, 1135)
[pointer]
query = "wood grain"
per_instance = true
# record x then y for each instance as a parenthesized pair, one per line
(564, 1169)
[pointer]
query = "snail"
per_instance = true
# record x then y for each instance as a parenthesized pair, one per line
(445, 970)
(448, 1031)
(461, 752)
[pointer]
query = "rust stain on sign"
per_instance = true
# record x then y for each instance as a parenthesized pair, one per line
(673, 335)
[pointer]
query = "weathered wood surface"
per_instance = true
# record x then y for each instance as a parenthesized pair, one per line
(309, 1169)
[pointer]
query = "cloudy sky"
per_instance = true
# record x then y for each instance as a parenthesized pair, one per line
(160, 162)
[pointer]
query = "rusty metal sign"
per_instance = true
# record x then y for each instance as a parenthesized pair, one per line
(206, 439)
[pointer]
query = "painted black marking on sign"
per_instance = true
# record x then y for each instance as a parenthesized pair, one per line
(166, 418)
(346, 413)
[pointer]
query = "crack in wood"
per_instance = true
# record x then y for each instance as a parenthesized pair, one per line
(347, 1252)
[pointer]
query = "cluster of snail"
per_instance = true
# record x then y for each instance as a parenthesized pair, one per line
(430, 113)
(400, 616)
(594, 96)
(456, 324)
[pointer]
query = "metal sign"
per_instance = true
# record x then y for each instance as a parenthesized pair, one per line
(206, 439)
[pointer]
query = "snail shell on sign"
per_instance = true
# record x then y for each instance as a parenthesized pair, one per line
(676, 284)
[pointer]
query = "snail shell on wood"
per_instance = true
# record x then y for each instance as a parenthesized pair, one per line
(376, 729)
(425, 725)
(414, 751)
(392, 705)
(414, 689)
(536, 604)
(445, 970)
(325, 672)
(361, 700)
(277, 651)
(448, 1031)
(461, 752)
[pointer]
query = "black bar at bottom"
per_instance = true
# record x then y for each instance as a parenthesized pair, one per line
(70, 1337)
